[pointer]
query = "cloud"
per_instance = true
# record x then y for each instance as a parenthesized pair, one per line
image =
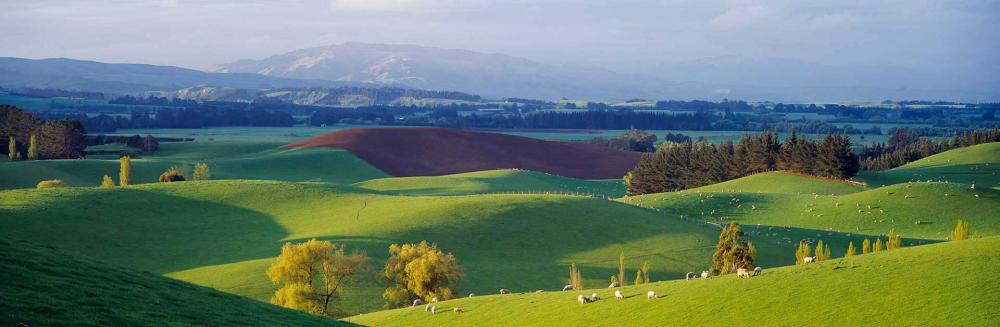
(742, 16)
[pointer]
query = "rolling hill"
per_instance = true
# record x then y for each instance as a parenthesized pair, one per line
(495, 181)
(43, 286)
(910, 286)
(436, 151)
(977, 164)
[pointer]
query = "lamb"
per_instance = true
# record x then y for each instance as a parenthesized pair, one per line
(690, 275)
(650, 295)
(619, 295)
(757, 271)
(418, 302)
(458, 310)
(615, 284)
(594, 297)
(808, 259)
(583, 299)
(568, 288)
(742, 273)
(705, 274)
(504, 291)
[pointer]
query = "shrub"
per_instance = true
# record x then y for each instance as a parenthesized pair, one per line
(107, 182)
(171, 175)
(54, 183)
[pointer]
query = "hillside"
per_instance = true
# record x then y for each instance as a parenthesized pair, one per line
(907, 287)
(42, 286)
(977, 164)
(782, 182)
(436, 151)
(226, 159)
(223, 234)
(494, 181)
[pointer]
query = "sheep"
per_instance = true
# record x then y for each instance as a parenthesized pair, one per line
(615, 284)
(808, 259)
(705, 274)
(458, 310)
(472, 294)
(434, 299)
(757, 271)
(418, 302)
(594, 297)
(619, 295)
(428, 307)
(434, 309)
(568, 288)
(539, 291)
(689, 276)
(650, 295)
(504, 291)
(742, 273)
(583, 299)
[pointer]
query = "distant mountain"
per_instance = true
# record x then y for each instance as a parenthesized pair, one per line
(81, 75)
(491, 75)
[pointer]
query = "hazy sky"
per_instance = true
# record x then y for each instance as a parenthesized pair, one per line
(620, 35)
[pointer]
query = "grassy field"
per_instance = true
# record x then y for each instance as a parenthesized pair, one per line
(226, 159)
(941, 284)
(223, 234)
(784, 183)
(495, 181)
(978, 164)
(43, 286)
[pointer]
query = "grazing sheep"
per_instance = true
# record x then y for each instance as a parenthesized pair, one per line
(504, 291)
(583, 299)
(808, 259)
(428, 307)
(539, 291)
(418, 302)
(742, 273)
(650, 295)
(619, 295)
(757, 271)
(594, 297)
(690, 275)
(568, 288)
(705, 274)
(434, 309)
(615, 284)
(472, 294)
(434, 299)
(458, 310)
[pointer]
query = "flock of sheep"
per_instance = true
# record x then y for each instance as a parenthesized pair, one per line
(584, 299)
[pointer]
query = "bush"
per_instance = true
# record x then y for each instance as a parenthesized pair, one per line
(171, 175)
(54, 183)
(107, 182)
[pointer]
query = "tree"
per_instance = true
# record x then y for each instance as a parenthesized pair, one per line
(125, 171)
(171, 175)
(961, 231)
(12, 149)
(54, 183)
(33, 147)
(802, 253)
(638, 277)
(645, 272)
(313, 272)
(150, 144)
(107, 182)
(850, 250)
(621, 266)
(577, 281)
(821, 251)
(866, 246)
(419, 271)
(877, 246)
(62, 139)
(733, 251)
(201, 172)
(895, 240)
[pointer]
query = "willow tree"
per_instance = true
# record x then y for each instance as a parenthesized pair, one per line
(312, 273)
(419, 271)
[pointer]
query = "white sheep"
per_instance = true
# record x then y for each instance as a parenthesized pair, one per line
(434, 309)
(504, 291)
(458, 310)
(742, 273)
(568, 288)
(594, 297)
(428, 307)
(472, 294)
(808, 259)
(690, 275)
(619, 295)
(583, 299)
(757, 271)
(705, 274)
(615, 284)
(650, 295)
(418, 302)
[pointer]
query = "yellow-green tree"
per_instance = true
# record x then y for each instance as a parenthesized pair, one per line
(171, 175)
(877, 246)
(577, 281)
(638, 277)
(125, 171)
(895, 240)
(645, 270)
(12, 149)
(822, 251)
(733, 251)
(850, 250)
(107, 182)
(866, 246)
(419, 271)
(961, 231)
(621, 266)
(32, 147)
(312, 273)
(802, 252)
(201, 172)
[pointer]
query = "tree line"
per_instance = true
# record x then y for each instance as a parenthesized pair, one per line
(905, 146)
(30, 137)
(677, 166)
(184, 118)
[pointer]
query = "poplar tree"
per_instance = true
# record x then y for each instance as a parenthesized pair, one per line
(802, 252)
(850, 250)
(12, 149)
(32, 147)
(638, 277)
(645, 272)
(866, 246)
(877, 246)
(733, 251)
(822, 252)
(621, 266)
(961, 231)
(895, 240)
(125, 171)
(574, 277)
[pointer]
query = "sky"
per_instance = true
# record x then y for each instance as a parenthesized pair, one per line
(623, 35)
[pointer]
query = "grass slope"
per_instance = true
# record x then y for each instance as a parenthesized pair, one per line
(782, 182)
(495, 181)
(941, 284)
(978, 164)
(42, 286)
(227, 160)
(223, 234)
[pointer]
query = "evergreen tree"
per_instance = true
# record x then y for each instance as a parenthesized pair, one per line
(62, 139)
(961, 231)
(802, 253)
(12, 149)
(895, 240)
(33, 148)
(733, 251)
(850, 250)
(866, 246)
(125, 171)
(107, 182)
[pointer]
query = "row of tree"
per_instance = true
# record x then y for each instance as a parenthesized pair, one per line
(677, 166)
(905, 146)
(30, 137)
(185, 118)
